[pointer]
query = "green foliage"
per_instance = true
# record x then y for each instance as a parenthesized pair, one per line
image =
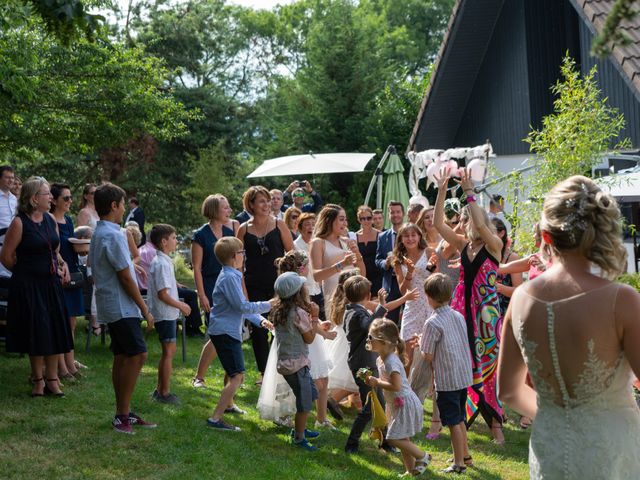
(632, 279)
(612, 33)
(570, 142)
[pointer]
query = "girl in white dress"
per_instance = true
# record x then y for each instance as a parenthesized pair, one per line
(412, 267)
(577, 334)
(404, 409)
(332, 252)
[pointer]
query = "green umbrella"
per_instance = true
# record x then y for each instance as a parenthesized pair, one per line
(395, 186)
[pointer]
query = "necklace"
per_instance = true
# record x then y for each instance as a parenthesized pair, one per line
(472, 251)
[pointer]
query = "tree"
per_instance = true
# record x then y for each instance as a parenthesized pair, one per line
(571, 141)
(612, 34)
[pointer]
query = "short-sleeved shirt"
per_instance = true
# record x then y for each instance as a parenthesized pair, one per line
(289, 366)
(445, 337)
(109, 254)
(162, 275)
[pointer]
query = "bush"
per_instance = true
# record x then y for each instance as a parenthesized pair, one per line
(632, 279)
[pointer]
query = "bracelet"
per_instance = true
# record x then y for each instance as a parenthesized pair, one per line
(339, 266)
(471, 199)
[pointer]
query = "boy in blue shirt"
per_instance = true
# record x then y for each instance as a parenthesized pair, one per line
(230, 307)
(119, 302)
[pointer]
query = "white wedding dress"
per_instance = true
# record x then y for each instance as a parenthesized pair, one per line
(588, 424)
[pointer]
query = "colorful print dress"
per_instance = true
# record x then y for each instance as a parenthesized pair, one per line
(476, 298)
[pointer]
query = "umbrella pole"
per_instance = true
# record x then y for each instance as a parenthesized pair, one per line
(378, 176)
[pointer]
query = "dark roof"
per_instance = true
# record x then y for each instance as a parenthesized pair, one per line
(627, 57)
(462, 65)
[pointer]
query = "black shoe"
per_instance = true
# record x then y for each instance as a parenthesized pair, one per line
(388, 448)
(351, 449)
(334, 409)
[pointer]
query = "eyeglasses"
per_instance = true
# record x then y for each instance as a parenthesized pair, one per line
(371, 338)
(294, 217)
(455, 222)
(67, 198)
(299, 195)
(241, 252)
(264, 249)
(44, 193)
(366, 219)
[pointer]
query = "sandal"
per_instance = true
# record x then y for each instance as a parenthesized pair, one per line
(48, 391)
(468, 461)
(434, 435)
(525, 422)
(455, 469)
(421, 465)
(33, 382)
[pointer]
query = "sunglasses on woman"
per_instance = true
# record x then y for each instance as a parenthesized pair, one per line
(366, 219)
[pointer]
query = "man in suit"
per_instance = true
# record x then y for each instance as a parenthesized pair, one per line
(137, 215)
(386, 242)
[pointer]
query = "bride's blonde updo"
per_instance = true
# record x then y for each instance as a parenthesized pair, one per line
(579, 215)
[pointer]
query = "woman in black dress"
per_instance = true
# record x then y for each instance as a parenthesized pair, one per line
(37, 321)
(265, 238)
(367, 238)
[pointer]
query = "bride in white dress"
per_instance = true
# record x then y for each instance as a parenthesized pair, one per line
(578, 335)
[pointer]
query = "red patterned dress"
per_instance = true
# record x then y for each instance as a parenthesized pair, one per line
(476, 298)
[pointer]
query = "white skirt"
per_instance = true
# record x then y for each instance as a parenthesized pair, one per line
(340, 377)
(276, 398)
(318, 358)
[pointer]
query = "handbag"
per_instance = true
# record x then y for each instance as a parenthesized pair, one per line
(77, 280)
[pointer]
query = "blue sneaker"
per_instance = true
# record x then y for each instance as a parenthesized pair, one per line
(307, 433)
(306, 445)
(222, 425)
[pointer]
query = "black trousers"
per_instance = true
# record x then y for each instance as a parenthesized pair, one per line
(194, 320)
(364, 415)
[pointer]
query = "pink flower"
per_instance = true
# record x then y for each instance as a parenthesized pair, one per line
(398, 402)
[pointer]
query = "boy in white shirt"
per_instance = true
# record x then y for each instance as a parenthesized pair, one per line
(165, 306)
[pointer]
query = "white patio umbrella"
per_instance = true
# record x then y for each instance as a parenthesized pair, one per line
(309, 163)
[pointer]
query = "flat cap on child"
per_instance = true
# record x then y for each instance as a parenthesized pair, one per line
(288, 284)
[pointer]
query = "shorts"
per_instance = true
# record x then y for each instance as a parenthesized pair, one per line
(167, 330)
(303, 388)
(126, 337)
(452, 406)
(230, 353)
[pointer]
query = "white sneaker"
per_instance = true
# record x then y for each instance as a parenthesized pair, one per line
(325, 424)
(198, 383)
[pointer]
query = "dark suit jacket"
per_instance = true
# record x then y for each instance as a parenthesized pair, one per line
(243, 216)
(389, 281)
(312, 207)
(138, 217)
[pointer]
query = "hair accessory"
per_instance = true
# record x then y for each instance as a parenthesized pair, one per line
(576, 219)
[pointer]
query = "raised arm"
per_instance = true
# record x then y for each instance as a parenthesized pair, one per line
(490, 239)
(457, 241)
(516, 266)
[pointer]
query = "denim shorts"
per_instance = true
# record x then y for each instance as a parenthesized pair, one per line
(167, 330)
(452, 406)
(127, 337)
(303, 388)
(230, 353)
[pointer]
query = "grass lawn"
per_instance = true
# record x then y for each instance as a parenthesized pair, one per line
(71, 437)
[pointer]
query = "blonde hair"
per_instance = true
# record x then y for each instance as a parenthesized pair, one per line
(287, 217)
(29, 189)
(471, 230)
(250, 195)
(338, 301)
(225, 249)
(387, 331)
(211, 206)
(579, 215)
(133, 227)
(357, 288)
(324, 222)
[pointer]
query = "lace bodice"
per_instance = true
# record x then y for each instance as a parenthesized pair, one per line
(587, 418)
